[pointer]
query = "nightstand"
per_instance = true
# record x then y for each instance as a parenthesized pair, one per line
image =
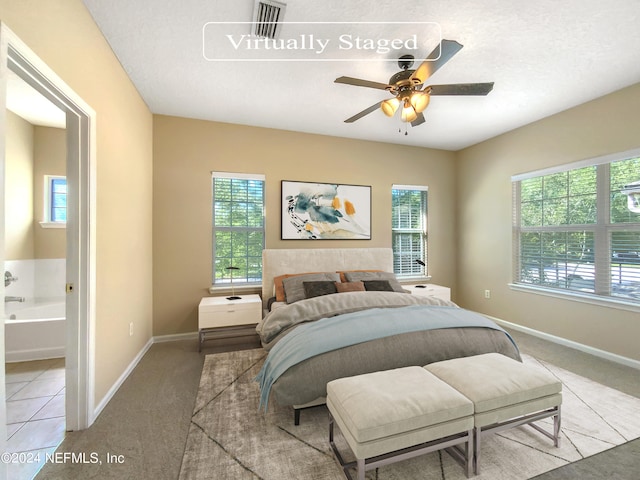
(219, 317)
(430, 290)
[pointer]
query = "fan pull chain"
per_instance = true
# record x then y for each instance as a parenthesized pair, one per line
(405, 128)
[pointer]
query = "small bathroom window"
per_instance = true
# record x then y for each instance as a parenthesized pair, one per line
(55, 201)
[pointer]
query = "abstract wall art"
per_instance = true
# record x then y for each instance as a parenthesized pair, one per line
(325, 211)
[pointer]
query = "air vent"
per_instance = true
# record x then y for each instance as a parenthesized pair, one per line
(267, 18)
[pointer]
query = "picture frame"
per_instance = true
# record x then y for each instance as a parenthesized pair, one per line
(325, 211)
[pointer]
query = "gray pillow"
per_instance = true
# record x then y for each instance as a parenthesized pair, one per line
(319, 288)
(294, 286)
(362, 276)
(377, 286)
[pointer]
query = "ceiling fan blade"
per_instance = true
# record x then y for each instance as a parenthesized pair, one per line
(418, 121)
(361, 83)
(366, 111)
(443, 53)
(461, 89)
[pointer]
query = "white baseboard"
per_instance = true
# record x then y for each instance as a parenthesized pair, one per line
(629, 362)
(114, 388)
(34, 354)
(174, 337)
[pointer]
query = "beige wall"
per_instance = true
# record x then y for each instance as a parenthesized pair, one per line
(607, 125)
(159, 292)
(63, 35)
(50, 158)
(18, 223)
(32, 152)
(185, 153)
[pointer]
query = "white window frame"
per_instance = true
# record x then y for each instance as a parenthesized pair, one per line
(238, 283)
(602, 230)
(419, 272)
(47, 221)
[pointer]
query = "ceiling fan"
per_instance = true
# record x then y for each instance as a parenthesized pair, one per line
(408, 89)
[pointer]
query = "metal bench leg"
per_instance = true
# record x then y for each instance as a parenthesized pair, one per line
(469, 454)
(556, 428)
(296, 416)
(360, 462)
(477, 431)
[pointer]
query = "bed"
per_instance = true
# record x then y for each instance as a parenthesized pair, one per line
(315, 335)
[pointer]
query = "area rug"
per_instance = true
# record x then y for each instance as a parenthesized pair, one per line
(230, 439)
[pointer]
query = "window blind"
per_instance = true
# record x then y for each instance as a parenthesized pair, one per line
(409, 229)
(238, 227)
(573, 231)
(58, 201)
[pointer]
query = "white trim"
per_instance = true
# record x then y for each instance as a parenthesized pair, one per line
(121, 379)
(571, 295)
(609, 158)
(4, 42)
(629, 362)
(422, 188)
(225, 288)
(53, 224)
(413, 279)
(243, 176)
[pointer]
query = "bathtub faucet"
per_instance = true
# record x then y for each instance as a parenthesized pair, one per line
(13, 299)
(8, 278)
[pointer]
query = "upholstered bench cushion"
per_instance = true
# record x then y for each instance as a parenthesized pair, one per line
(498, 386)
(387, 403)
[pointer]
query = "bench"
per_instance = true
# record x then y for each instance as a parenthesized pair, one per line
(505, 394)
(398, 414)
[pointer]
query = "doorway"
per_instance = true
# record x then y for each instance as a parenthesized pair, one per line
(80, 230)
(34, 273)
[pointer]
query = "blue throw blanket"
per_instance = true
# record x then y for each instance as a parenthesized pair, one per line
(311, 339)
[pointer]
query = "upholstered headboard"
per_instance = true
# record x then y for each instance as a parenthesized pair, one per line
(280, 261)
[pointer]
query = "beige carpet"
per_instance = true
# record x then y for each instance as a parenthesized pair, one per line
(229, 439)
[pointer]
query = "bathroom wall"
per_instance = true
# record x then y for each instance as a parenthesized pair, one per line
(18, 227)
(32, 152)
(38, 279)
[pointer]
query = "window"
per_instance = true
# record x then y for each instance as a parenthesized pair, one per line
(238, 227)
(55, 201)
(573, 229)
(409, 230)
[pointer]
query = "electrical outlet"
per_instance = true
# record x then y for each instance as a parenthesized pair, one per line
(487, 294)
(131, 329)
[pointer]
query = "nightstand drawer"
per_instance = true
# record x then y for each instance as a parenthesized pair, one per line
(216, 312)
(229, 317)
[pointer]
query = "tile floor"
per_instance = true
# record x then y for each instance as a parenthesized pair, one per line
(35, 412)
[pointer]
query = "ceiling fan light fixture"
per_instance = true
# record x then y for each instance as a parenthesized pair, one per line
(420, 101)
(409, 87)
(389, 107)
(408, 112)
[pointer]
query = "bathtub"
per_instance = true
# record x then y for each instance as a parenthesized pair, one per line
(34, 330)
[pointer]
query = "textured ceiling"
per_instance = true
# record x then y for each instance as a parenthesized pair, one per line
(544, 57)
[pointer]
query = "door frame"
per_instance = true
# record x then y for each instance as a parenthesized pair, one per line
(80, 230)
